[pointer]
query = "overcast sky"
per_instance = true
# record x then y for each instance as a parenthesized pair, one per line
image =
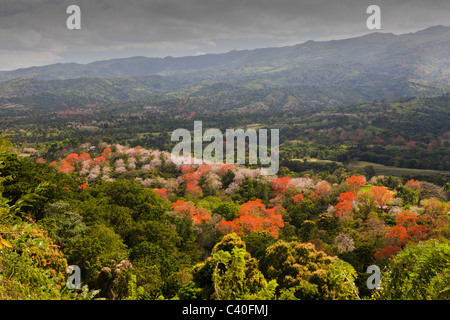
(34, 32)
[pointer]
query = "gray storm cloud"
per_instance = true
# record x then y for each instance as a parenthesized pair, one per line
(33, 32)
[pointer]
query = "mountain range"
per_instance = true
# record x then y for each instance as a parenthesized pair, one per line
(376, 66)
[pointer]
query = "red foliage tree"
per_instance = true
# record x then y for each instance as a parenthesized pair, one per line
(298, 198)
(203, 170)
(407, 229)
(413, 184)
(192, 177)
(381, 195)
(229, 227)
(186, 169)
(188, 209)
(347, 196)
(399, 234)
(323, 189)
(356, 182)
(225, 168)
(99, 161)
(411, 144)
(254, 216)
(84, 157)
(193, 189)
(106, 152)
(66, 168)
(83, 186)
(419, 233)
(344, 208)
(406, 219)
(162, 193)
(387, 252)
(280, 185)
(72, 158)
(377, 140)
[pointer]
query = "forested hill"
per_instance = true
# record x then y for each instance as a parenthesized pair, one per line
(421, 55)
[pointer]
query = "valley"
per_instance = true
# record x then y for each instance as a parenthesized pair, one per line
(87, 177)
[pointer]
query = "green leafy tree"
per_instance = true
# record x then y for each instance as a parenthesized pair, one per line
(419, 272)
(304, 273)
(409, 196)
(231, 273)
(99, 247)
(232, 283)
(144, 202)
(64, 226)
(228, 210)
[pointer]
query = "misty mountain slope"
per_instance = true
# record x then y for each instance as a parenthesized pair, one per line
(373, 67)
(380, 50)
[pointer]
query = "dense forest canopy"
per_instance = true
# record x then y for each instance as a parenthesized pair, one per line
(140, 227)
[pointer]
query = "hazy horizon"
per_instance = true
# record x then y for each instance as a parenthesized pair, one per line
(34, 33)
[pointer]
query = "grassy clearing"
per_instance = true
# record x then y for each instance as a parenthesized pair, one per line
(394, 171)
(384, 170)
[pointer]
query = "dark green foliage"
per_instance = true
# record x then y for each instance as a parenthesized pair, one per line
(421, 271)
(100, 246)
(228, 210)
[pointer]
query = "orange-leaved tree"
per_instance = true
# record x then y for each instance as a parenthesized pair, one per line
(381, 194)
(280, 185)
(408, 227)
(356, 182)
(188, 209)
(254, 216)
(344, 208)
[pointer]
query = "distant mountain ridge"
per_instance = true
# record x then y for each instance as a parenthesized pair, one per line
(373, 67)
(410, 54)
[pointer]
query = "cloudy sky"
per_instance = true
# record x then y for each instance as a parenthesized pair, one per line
(34, 32)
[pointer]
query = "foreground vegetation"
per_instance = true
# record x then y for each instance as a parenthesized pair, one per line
(141, 227)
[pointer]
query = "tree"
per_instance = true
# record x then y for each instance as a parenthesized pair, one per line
(381, 195)
(323, 189)
(144, 202)
(280, 185)
(99, 247)
(254, 216)
(356, 182)
(231, 273)
(344, 242)
(430, 190)
(420, 272)
(298, 198)
(190, 210)
(302, 272)
(370, 171)
(344, 208)
(228, 210)
(447, 189)
(32, 266)
(64, 225)
(66, 168)
(408, 195)
(407, 230)
(233, 282)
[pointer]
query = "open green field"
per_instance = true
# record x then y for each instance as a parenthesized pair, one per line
(386, 170)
